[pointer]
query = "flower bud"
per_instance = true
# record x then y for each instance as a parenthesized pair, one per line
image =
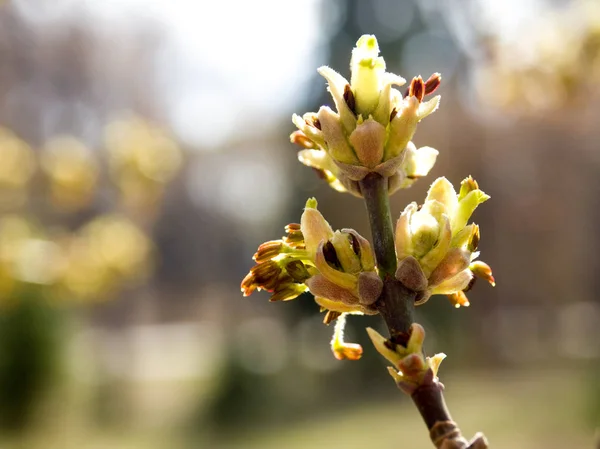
(456, 260)
(314, 226)
(301, 139)
(432, 83)
(344, 251)
(341, 349)
(410, 368)
(410, 273)
(337, 267)
(367, 71)
(417, 88)
(437, 239)
(467, 185)
(368, 140)
(483, 270)
(287, 292)
(335, 138)
(458, 299)
(297, 270)
(268, 250)
(372, 127)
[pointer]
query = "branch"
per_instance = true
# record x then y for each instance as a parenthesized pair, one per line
(396, 305)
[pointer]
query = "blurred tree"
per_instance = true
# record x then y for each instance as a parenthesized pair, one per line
(30, 342)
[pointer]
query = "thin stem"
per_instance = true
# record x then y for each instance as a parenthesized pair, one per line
(375, 192)
(396, 303)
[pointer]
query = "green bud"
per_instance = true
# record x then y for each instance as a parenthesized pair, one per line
(348, 259)
(424, 230)
(437, 237)
(314, 227)
(367, 69)
(466, 186)
(466, 207)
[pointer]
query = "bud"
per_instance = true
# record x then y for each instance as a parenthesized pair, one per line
(349, 98)
(292, 227)
(325, 165)
(467, 185)
(456, 260)
(436, 237)
(473, 242)
(367, 71)
(334, 135)
(466, 207)
(369, 288)
(273, 259)
(432, 83)
(337, 267)
(314, 226)
(435, 362)
(268, 250)
(338, 87)
(483, 270)
(411, 274)
(404, 124)
(410, 368)
(301, 139)
(295, 239)
(287, 291)
(368, 140)
(371, 128)
(416, 163)
(458, 299)
(348, 351)
(297, 270)
(343, 248)
(342, 350)
(417, 89)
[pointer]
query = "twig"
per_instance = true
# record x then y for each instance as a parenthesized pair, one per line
(396, 305)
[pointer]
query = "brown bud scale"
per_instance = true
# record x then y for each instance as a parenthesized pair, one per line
(301, 139)
(265, 268)
(294, 236)
(330, 316)
(349, 98)
(354, 243)
(433, 83)
(292, 227)
(331, 255)
(470, 284)
(474, 239)
(268, 250)
(417, 88)
(313, 121)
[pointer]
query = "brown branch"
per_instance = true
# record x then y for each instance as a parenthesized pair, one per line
(396, 305)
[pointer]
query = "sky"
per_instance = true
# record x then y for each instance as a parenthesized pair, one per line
(224, 64)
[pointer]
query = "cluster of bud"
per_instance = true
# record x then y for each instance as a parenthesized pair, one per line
(411, 368)
(337, 267)
(371, 131)
(372, 128)
(436, 248)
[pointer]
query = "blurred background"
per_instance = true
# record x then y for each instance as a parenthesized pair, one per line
(144, 155)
